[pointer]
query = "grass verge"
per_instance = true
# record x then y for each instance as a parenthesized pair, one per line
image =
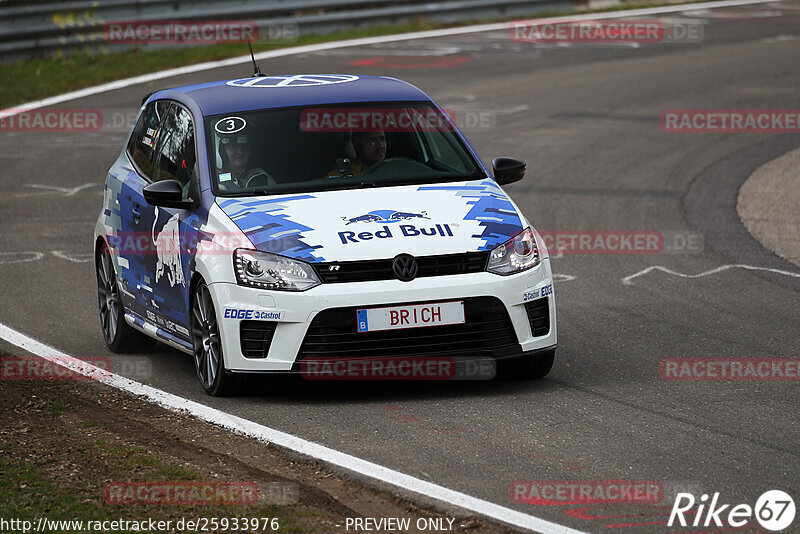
(74, 451)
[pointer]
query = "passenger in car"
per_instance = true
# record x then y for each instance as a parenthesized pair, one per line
(363, 150)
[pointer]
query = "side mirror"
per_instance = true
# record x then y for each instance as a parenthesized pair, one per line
(167, 194)
(508, 170)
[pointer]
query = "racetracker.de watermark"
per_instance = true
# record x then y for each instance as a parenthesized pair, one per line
(730, 121)
(345, 120)
(185, 32)
(54, 368)
(406, 119)
(621, 242)
(52, 120)
(180, 493)
(559, 492)
(68, 120)
(160, 243)
(730, 369)
(397, 368)
(70, 368)
(604, 31)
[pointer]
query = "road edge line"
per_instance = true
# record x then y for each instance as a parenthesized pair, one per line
(266, 434)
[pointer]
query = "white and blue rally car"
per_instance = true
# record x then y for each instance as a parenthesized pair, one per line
(262, 222)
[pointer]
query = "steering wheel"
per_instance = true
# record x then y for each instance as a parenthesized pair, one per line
(382, 162)
(260, 179)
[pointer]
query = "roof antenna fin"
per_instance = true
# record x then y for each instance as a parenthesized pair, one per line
(256, 71)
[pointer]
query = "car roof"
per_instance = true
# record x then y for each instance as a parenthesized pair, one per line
(274, 91)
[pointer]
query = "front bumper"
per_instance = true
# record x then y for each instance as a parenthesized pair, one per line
(293, 313)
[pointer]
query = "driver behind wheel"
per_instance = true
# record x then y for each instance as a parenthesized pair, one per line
(238, 171)
(364, 150)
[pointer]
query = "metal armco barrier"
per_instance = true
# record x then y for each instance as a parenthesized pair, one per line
(55, 28)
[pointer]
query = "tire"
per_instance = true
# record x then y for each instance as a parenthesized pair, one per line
(534, 367)
(118, 335)
(207, 346)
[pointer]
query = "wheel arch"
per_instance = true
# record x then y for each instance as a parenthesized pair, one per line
(196, 279)
(99, 243)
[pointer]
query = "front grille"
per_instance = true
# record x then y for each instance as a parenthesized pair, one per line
(487, 332)
(539, 316)
(255, 338)
(370, 270)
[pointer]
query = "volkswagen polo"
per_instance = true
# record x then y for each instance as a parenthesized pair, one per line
(266, 222)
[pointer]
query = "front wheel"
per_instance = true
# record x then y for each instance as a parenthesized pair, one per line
(208, 360)
(118, 335)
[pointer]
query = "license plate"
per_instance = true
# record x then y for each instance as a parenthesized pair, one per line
(413, 316)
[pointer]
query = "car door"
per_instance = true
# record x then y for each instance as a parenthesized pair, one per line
(173, 231)
(133, 245)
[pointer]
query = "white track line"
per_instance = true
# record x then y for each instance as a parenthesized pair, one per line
(122, 84)
(282, 439)
(628, 280)
(266, 434)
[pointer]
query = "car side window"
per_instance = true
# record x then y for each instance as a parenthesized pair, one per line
(443, 150)
(145, 136)
(175, 155)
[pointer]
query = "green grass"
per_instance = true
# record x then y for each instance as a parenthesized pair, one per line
(29, 490)
(55, 408)
(125, 460)
(42, 77)
(176, 472)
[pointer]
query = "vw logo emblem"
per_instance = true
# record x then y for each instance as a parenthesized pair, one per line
(405, 267)
(298, 80)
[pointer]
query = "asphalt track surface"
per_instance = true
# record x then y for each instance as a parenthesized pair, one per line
(586, 119)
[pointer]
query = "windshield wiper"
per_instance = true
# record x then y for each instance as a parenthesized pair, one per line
(317, 187)
(359, 185)
(248, 193)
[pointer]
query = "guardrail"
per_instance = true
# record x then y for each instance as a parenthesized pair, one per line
(67, 27)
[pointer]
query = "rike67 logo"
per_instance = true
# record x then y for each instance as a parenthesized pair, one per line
(774, 511)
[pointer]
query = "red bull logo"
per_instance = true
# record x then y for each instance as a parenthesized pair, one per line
(167, 246)
(386, 216)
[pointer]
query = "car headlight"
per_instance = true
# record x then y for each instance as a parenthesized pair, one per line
(270, 271)
(515, 255)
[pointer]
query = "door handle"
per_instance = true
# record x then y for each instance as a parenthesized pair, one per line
(137, 214)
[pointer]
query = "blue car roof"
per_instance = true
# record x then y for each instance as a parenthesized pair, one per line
(246, 94)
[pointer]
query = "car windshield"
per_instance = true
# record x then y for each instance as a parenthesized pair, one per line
(346, 146)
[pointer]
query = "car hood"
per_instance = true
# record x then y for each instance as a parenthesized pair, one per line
(375, 223)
